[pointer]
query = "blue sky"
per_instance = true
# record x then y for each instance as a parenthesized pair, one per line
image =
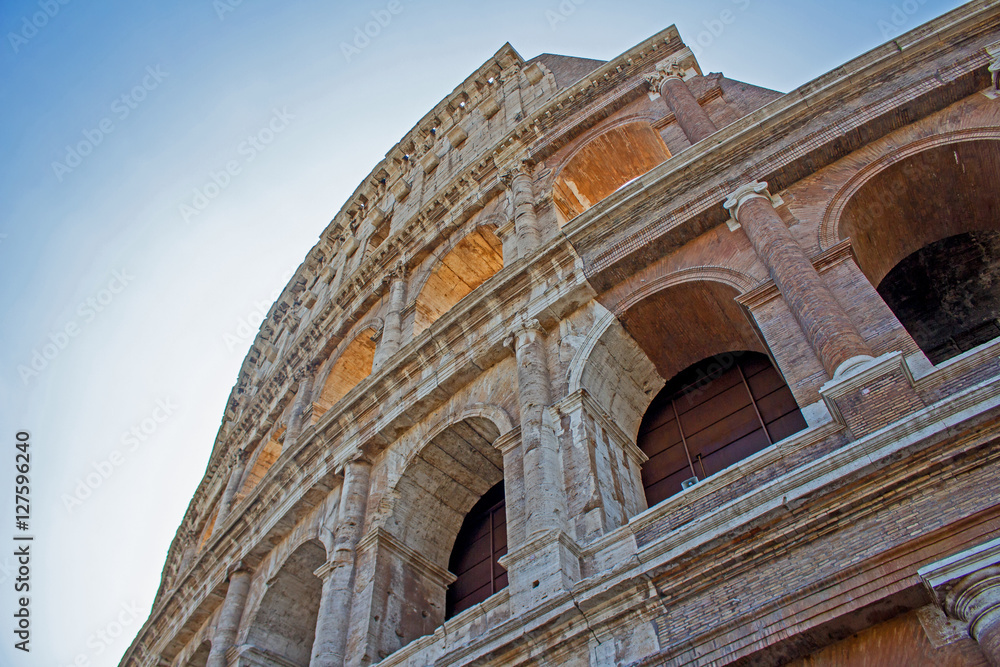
(134, 308)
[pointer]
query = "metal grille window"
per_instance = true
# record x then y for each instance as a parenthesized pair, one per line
(480, 542)
(711, 415)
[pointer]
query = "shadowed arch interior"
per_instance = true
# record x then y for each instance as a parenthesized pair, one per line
(200, 658)
(352, 366)
(464, 268)
(436, 491)
(926, 232)
(937, 193)
(285, 623)
(604, 164)
(685, 323)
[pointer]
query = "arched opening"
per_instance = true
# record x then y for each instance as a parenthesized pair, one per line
(209, 527)
(464, 268)
(711, 415)
(688, 322)
(284, 626)
(947, 294)
(439, 488)
(352, 366)
(481, 542)
(604, 164)
(925, 232)
(265, 458)
(200, 658)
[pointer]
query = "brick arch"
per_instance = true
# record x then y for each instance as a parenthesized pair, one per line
(455, 268)
(830, 230)
(738, 280)
(604, 162)
(352, 365)
(589, 135)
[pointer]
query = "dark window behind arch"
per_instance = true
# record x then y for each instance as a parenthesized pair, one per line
(481, 541)
(711, 415)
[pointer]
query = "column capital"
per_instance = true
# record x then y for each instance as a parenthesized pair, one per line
(239, 567)
(993, 51)
(524, 332)
(952, 579)
(513, 170)
(305, 370)
(325, 570)
(397, 271)
(239, 457)
(742, 194)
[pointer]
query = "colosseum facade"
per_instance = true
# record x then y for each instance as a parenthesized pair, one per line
(622, 363)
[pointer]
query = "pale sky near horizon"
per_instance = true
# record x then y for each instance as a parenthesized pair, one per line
(135, 312)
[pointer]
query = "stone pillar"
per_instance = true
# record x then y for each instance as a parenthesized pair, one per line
(301, 408)
(967, 586)
(329, 647)
(237, 465)
(602, 467)
(526, 226)
(669, 83)
(544, 494)
(392, 329)
(229, 617)
(830, 331)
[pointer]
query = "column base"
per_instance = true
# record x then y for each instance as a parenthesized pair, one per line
(544, 568)
(866, 394)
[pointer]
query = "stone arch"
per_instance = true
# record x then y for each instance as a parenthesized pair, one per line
(410, 549)
(457, 267)
(924, 225)
(263, 458)
(200, 657)
(283, 625)
(351, 366)
(604, 162)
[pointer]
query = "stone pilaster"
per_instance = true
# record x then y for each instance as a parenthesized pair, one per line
(668, 81)
(230, 615)
(330, 645)
(830, 331)
(543, 560)
(392, 330)
(301, 408)
(544, 495)
(602, 466)
(967, 586)
(237, 465)
(526, 226)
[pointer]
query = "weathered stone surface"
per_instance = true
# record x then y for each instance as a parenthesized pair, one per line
(502, 299)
